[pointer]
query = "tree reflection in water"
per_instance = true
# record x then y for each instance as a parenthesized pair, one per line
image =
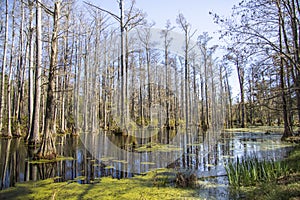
(206, 154)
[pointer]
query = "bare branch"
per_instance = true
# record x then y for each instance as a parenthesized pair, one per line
(106, 11)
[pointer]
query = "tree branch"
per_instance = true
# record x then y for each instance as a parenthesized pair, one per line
(106, 11)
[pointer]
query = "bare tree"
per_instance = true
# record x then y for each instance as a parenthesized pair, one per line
(238, 59)
(186, 27)
(35, 130)
(165, 34)
(145, 38)
(10, 74)
(30, 57)
(207, 53)
(47, 148)
(3, 68)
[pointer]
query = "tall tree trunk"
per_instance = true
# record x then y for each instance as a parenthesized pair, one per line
(123, 87)
(47, 149)
(77, 64)
(148, 57)
(141, 98)
(167, 82)
(186, 80)
(295, 26)
(3, 69)
(287, 129)
(35, 129)
(240, 72)
(9, 82)
(229, 110)
(20, 74)
(30, 70)
(206, 125)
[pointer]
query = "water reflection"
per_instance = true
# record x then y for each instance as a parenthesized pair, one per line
(141, 151)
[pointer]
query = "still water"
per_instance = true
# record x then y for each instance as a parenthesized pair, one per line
(94, 155)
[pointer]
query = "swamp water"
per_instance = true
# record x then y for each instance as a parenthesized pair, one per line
(92, 156)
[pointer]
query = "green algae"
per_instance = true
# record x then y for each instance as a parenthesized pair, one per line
(107, 159)
(109, 167)
(80, 178)
(257, 129)
(138, 187)
(154, 147)
(121, 161)
(57, 159)
(148, 163)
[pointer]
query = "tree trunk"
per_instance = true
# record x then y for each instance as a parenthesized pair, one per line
(123, 87)
(240, 72)
(167, 83)
(35, 129)
(47, 149)
(20, 74)
(287, 129)
(4, 67)
(9, 82)
(30, 70)
(229, 108)
(206, 125)
(186, 80)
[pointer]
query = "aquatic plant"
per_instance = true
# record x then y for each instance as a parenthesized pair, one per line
(285, 187)
(248, 172)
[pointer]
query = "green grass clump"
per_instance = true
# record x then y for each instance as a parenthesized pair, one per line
(284, 187)
(248, 172)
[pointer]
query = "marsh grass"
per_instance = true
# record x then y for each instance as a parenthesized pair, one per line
(285, 187)
(249, 172)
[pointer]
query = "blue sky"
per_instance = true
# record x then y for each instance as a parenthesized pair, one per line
(195, 11)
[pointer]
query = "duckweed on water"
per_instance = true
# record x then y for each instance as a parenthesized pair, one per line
(148, 163)
(139, 187)
(153, 147)
(57, 159)
(106, 159)
(257, 129)
(109, 167)
(120, 161)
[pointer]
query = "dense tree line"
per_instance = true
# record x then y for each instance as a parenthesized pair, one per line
(263, 43)
(68, 66)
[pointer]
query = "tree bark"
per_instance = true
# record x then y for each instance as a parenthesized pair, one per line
(35, 129)
(9, 81)
(123, 75)
(30, 69)
(3, 69)
(287, 129)
(47, 149)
